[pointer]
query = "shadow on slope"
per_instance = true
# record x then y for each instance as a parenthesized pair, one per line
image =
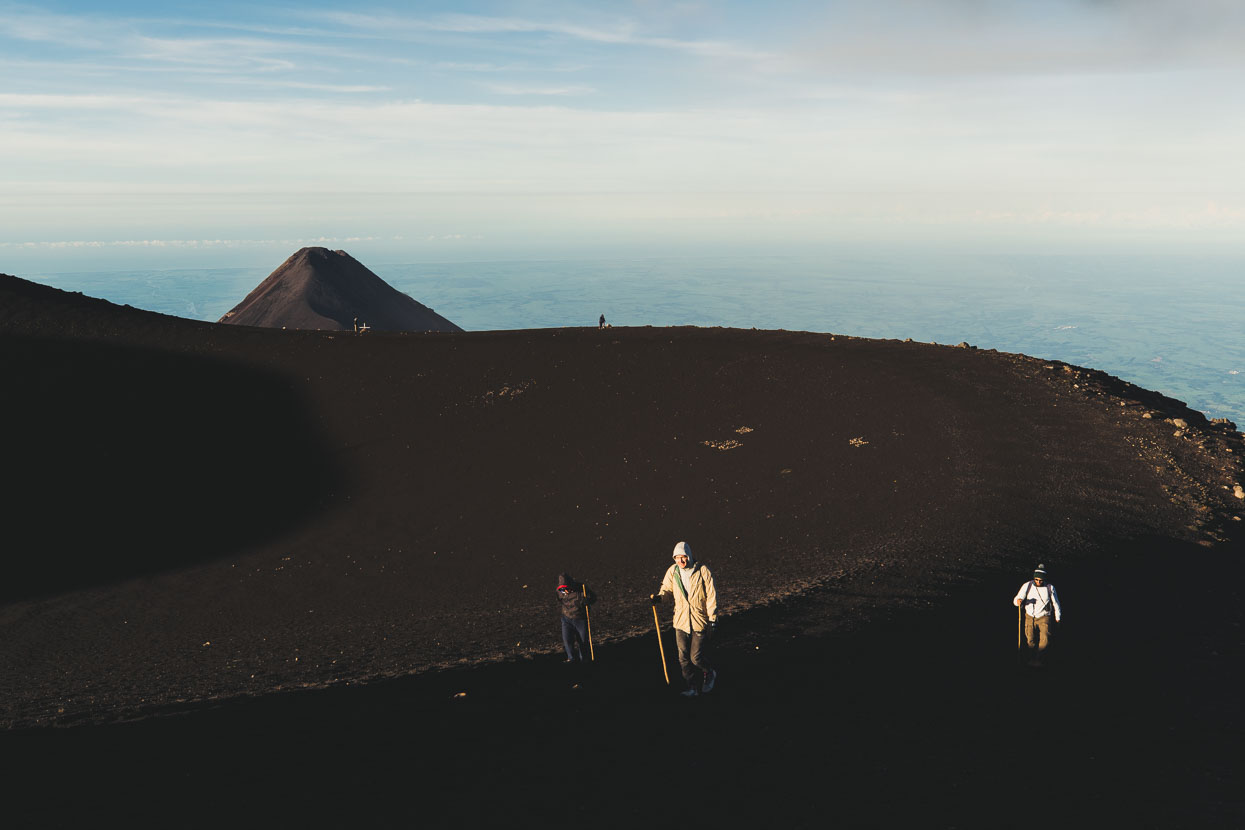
(126, 460)
(919, 719)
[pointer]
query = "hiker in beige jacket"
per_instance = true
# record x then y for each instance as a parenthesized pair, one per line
(695, 616)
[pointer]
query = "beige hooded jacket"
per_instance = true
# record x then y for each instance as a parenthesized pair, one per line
(700, 607)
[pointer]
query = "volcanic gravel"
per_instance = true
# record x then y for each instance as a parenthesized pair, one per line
(271, 577)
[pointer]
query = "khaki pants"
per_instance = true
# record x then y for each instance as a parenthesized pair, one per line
(1037, 633)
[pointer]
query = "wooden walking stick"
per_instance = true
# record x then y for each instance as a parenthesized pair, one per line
(591, 654)
(1020, 634)
(657, 623)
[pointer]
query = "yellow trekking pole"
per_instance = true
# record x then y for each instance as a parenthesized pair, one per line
(657, 623)
(591, 654)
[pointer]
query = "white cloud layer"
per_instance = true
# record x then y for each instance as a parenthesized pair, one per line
(1111, 116)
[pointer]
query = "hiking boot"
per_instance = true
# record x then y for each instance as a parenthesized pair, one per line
(690, 693)
(711, 677)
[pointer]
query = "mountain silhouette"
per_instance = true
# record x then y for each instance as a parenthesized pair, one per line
(321, 289)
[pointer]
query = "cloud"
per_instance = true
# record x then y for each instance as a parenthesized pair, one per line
(970, 37)
(622, 33)
(27, 23)
(486, 67)
(232, 55)
(307, 85)
(128, 45)
(511, 89)
(981, 113)
(932, 144)
(87, 244)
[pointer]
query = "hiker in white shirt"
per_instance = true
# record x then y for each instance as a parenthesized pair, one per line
(1041, 604)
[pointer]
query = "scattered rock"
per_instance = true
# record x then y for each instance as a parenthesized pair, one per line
(1179, 423)
(1238, 491)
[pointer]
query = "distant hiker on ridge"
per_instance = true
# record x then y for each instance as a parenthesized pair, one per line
(573, 599)
(1039, 601)
(695, 617)
(601, 322)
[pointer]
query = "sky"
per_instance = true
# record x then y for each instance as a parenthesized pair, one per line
(209, 133)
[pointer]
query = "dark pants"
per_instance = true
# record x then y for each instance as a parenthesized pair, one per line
(575, 638)
(692, 657)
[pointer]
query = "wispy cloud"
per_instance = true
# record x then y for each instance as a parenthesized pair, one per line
(76, 244)
(136, 45)
(230, 54)
(28, 23)
(1060, 114)
(998, 36)
(511, 89)
(485, 67)
(306, 85)
(622, 33)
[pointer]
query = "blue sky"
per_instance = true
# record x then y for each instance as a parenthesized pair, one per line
(211, 132)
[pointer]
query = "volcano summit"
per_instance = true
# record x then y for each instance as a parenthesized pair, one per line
(321, 289)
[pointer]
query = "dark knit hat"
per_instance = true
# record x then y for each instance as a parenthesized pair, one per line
(565, 580)
(1039, 572)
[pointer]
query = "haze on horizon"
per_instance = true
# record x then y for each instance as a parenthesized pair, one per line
(174, 133)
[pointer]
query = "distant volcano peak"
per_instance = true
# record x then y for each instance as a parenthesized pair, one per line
(316, 288)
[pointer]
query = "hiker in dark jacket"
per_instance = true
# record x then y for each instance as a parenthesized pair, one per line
(573, 597)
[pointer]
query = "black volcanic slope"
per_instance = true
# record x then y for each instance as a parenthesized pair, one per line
(321, 289)
(333, 557)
